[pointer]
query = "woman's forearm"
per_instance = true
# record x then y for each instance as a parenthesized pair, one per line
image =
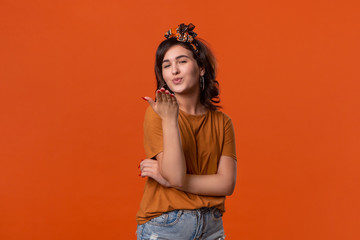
(220, 184)
(211, 185)
(172, 165)
(172, 162)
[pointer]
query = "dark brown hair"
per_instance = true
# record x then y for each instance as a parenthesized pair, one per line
(204, 58)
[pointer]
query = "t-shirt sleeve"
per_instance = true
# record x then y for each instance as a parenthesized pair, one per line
(153, 136)
(229, 148)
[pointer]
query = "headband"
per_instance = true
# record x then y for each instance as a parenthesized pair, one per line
(183, 33)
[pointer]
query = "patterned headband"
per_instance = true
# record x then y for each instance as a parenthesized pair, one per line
(183, 33)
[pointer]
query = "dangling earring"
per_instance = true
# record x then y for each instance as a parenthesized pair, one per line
(202, 83)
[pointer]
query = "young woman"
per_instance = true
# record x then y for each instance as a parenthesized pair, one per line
(189, 145)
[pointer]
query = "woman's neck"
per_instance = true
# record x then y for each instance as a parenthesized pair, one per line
(191, 104)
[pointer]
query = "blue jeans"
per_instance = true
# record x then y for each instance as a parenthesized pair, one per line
(203, 223)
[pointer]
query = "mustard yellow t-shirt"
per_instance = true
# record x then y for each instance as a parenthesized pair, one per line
(205, 138)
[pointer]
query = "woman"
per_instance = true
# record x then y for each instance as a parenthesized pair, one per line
(189, 144)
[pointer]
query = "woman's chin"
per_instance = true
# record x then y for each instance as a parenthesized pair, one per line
(183, 90)
(177, 89)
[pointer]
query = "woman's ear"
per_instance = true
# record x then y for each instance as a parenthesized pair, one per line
(202, 71)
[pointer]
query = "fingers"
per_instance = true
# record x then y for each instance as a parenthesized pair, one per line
(148, 163)
(168, 97)
(148, 168)
(162, 95)
(173, 98)
(158, 96)
(165, 105)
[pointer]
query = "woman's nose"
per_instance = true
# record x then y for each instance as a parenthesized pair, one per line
(175, 69)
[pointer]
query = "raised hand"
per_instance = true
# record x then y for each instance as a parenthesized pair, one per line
(165, 106)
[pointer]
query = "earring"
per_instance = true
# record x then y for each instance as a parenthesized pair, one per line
(202, 83)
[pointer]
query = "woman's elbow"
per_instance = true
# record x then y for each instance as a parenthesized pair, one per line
(229, 192)
(177, 185)
(176, 182)
(230, 189)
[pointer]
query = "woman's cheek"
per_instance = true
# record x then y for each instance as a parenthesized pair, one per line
(165, 75)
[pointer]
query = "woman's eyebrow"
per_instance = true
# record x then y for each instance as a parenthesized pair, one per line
(180, 56)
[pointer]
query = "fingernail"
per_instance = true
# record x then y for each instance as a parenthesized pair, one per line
(144, 98)
(139, 174)
(139, 166)
(162, 90)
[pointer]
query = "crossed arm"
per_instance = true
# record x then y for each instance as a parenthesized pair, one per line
(169, 168)
(220, 184)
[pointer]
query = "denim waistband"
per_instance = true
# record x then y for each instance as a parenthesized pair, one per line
(202, 210)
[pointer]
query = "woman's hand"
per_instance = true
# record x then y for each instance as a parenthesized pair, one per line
(171, 166)
(165, 106)
(150, 168)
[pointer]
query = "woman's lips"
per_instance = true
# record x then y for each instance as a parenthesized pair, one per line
(177, 80)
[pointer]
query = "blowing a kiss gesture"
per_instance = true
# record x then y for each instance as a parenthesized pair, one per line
(169, 169)
(165, 106)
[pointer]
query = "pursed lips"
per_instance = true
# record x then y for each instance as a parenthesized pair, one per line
(176, 80)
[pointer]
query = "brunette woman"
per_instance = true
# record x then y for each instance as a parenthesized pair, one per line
(189, 145)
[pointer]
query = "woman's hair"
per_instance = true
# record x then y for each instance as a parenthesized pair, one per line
(204, 58)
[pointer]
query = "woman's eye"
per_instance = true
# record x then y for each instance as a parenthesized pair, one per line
(183, 61)
(166, 66)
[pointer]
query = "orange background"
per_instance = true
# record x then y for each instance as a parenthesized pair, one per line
(71, 77)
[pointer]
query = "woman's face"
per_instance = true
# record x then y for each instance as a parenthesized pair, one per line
(181, 71)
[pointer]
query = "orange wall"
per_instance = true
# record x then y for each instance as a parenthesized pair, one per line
(71, 77)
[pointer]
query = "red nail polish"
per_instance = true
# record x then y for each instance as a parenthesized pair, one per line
(140, 174)
(144, 98)
(162, 90)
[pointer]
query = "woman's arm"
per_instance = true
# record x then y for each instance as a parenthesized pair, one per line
(220, 184)
(173, 167)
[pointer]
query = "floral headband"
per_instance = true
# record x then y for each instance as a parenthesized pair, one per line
(183, 33)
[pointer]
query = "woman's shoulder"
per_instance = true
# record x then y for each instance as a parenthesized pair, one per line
(149, 112)
(151, 115)
(220, 114)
